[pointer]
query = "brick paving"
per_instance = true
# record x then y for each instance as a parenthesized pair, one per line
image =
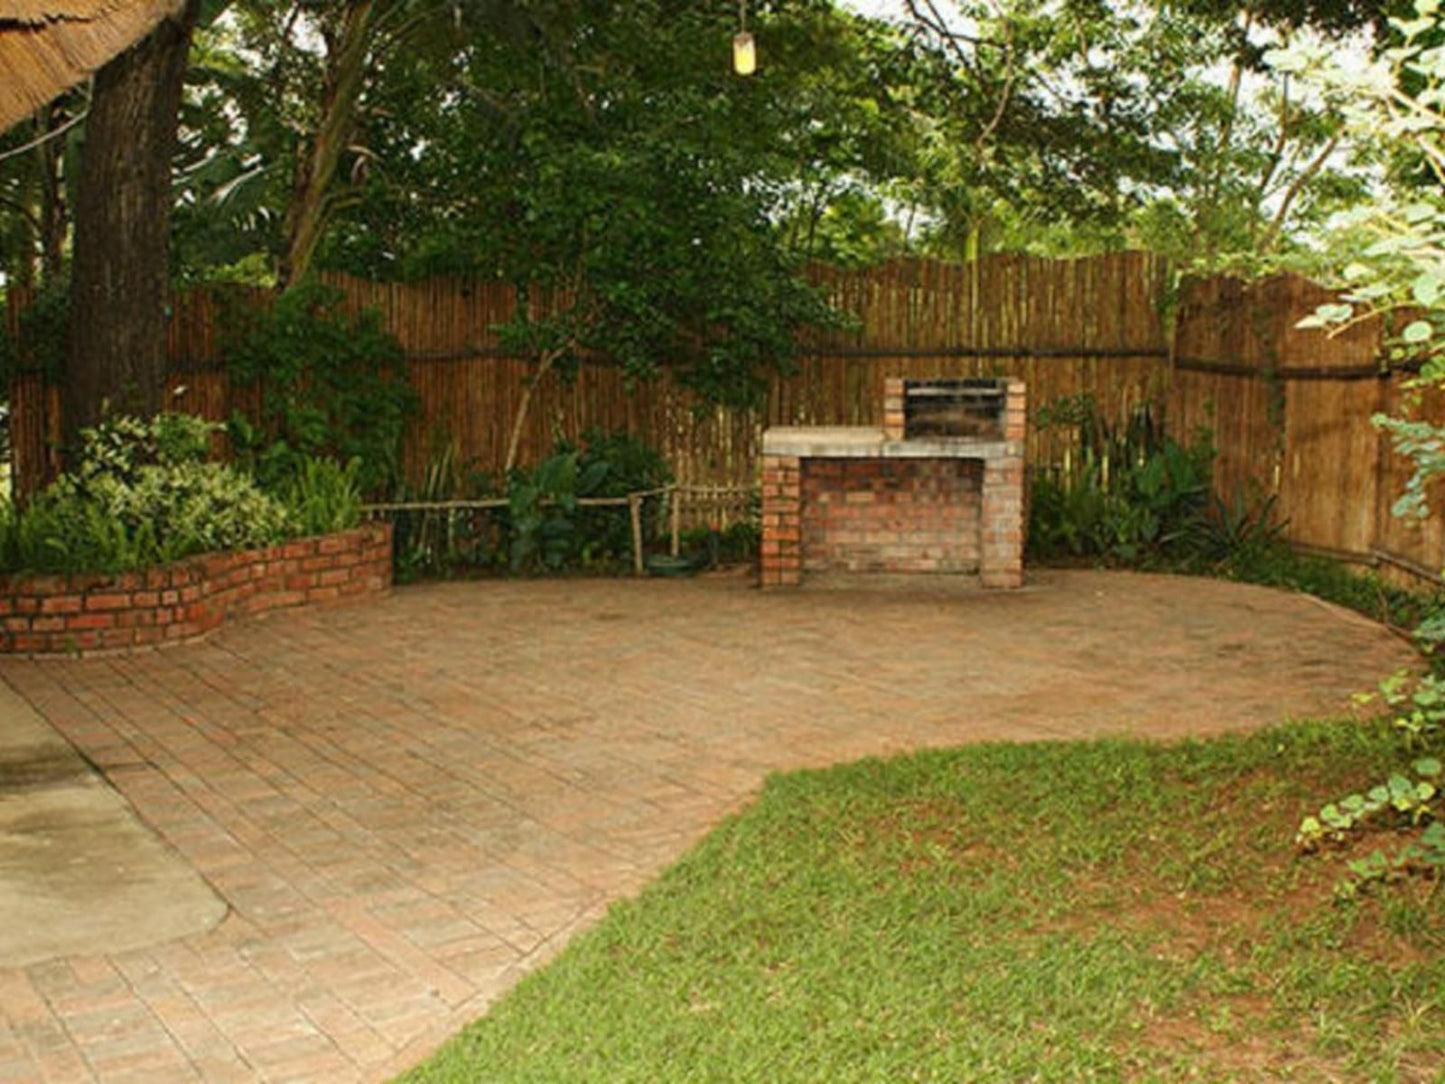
(408, 804)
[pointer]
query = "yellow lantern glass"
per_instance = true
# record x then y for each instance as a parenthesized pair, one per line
(745, 54)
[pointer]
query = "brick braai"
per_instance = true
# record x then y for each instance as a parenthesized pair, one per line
(860, 499)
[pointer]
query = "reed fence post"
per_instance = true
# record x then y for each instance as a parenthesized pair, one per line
(634, 509)
(674, 496)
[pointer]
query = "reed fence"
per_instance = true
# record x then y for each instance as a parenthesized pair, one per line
(1289, 410)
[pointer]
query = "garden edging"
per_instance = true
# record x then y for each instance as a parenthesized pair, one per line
(70, 614)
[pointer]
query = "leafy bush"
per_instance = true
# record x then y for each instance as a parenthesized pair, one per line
(324, 496)
(1131, 494)
(550, 531)
(334, 386)
(443, 541)
(542, 510)
(141, 495)
(614, 465)
(1238, 532)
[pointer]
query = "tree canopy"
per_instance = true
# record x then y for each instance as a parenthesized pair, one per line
(605, 153)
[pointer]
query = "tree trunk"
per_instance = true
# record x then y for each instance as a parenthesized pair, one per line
(316, 166)
(121, 265)
(524, 407)
(53, 222)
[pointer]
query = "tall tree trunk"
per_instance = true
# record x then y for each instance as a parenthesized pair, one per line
(316, 166)
(121, 265)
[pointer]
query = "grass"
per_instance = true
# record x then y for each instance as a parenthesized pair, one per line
(1053, 912)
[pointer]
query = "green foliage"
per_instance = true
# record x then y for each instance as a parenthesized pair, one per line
(1131, 493)
(550, 531)
(39, 345)
(645, 232)
(543, 527)
(1413, 800)
(325, 496)
(1395, 103)
(626, 464)
(1416, 704)
(331, 385)
(542, 507)
(1401, 801)
(442, 542)
(1238, 532)
(141, 495)
(1424, 445)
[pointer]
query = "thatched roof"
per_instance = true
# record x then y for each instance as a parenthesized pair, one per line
(49, 45)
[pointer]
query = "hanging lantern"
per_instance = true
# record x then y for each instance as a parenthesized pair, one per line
(745, 53)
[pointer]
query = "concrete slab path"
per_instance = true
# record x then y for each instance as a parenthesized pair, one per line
(78, 870)
(410, 804)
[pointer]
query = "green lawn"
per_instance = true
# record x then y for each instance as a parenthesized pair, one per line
(1088, 911)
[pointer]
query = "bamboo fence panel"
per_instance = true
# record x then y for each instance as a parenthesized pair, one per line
(1219, 383)
(1067, 327)
(1402, 543)
(1290, 412)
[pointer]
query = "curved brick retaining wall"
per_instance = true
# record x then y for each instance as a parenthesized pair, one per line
(66, 614)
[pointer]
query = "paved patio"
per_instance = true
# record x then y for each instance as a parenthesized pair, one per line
(408, 805)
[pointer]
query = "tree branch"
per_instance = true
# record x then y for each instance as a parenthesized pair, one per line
(41, 140)
(1317, 163)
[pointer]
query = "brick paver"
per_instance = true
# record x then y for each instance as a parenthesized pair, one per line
(408, 804)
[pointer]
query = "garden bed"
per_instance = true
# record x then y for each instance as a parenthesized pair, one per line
(68, 614)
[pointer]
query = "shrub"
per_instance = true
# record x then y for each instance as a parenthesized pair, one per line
(614, 465)
(443, 541)
(1132, 493)
(324, 496)
(334, 386)
(551, 531)
(141, 495)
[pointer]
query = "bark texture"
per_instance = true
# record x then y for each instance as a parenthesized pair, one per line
(311, 188)
(121, 266)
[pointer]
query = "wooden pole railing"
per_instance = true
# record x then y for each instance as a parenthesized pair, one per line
(631, 501)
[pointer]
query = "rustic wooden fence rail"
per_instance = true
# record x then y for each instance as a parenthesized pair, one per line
(1289, 409)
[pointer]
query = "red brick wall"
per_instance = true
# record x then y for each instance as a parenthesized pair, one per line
(68, 614)
(895, 515)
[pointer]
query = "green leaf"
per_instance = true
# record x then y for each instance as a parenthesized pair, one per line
(1427, 766)
(1426, 288)
(1418, 331)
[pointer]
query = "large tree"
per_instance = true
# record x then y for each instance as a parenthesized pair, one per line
(121, 269)
(613, 168)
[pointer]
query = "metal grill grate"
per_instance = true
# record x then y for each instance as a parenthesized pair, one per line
(971, 409)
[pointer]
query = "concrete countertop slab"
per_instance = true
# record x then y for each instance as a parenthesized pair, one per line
(868, 442)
